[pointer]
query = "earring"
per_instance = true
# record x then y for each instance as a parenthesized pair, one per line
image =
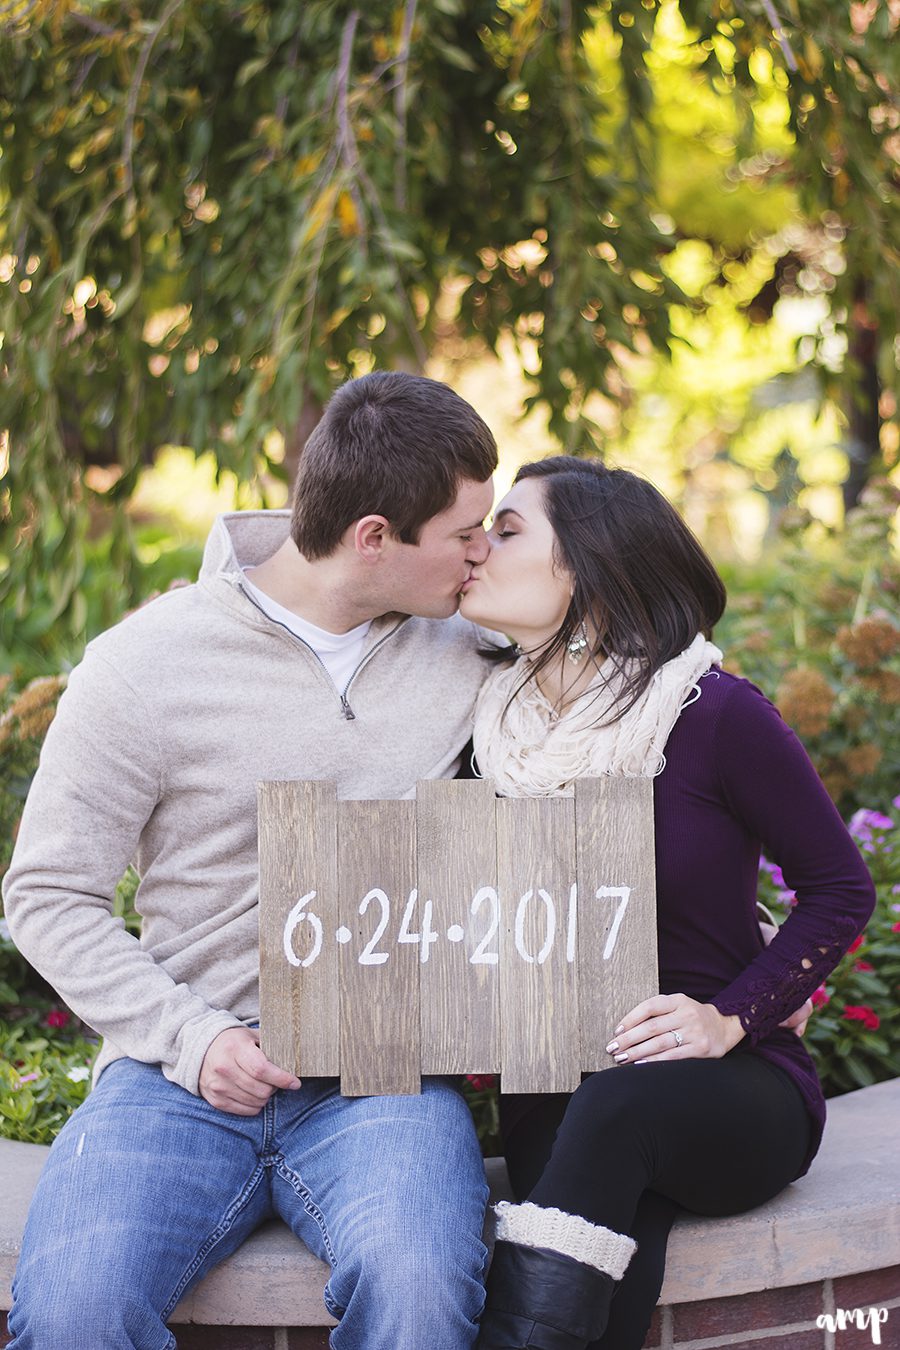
(577, 645)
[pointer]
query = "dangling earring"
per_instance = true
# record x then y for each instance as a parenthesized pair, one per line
(577, 645)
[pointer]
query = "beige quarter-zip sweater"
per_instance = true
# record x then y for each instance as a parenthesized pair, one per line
(161, 737)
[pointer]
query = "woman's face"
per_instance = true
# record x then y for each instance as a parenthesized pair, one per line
(518, 590)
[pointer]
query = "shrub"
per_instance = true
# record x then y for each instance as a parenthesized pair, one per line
(24, 719)
(854, 1034)
(44, 1075)
(819, 635)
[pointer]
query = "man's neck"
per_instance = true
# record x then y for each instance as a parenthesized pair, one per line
(315, 591)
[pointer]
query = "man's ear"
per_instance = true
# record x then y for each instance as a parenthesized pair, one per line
(370, 537)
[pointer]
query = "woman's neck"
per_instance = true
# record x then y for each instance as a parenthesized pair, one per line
(563, 680)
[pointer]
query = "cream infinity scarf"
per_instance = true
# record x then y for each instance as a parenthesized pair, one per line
(533, 753)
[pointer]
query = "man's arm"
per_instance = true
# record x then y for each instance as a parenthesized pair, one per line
(97, 785)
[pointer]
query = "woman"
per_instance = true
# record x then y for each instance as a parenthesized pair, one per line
(710, 1103)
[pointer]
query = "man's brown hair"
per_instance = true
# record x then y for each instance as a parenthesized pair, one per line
(388, 444)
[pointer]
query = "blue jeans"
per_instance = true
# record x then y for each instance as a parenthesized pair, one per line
(148, 1187)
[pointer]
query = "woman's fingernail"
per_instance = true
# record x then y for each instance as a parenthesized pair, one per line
(620, 1059)
(613, 1045)
(640, 1061)
(620, 1028)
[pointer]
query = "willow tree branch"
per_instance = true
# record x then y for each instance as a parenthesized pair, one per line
(401, 103)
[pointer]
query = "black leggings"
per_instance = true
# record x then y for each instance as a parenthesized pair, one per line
(636, 1144)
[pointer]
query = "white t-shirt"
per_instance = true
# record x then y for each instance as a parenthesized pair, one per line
(340, 653)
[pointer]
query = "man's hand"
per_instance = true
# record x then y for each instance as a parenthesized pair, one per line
(798, 1020)
(236, 1076)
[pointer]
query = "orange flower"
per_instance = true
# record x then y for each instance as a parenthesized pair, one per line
(836, 783)
(806, 700)
(760, 641)
(885, 684)
(854, 716)
(862, 759)
(31, 713)
(869, 642)
(833, 596)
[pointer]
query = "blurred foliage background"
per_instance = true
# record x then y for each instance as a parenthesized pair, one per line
(664, 231)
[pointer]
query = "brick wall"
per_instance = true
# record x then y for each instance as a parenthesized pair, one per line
(782, 1319)
(775, 1319)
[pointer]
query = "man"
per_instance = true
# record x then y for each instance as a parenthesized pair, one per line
(294, 656)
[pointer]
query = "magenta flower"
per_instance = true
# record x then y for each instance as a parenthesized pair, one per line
(864, 821)
(820, 997)
(774, 871)
(861, 1012)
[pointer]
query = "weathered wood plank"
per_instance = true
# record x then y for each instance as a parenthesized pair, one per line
(459, 979)
(616, 929)
(538, 994)
(299, 1003)
(380, 1037)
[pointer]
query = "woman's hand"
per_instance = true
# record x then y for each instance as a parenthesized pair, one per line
(647, 1033)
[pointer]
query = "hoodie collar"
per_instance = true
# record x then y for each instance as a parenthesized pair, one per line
(240, 539)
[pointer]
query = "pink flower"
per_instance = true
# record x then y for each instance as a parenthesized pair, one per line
(820, 997)
(26, 1078)
(57, 1018)
(857, 942)
(861, 1012)
(895, 927)
(863, 965)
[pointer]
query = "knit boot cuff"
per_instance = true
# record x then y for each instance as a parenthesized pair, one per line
(533, 1226)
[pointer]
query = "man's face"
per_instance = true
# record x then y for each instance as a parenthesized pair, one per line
(426, 578)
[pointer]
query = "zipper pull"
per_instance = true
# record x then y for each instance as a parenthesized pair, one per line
(348, 712)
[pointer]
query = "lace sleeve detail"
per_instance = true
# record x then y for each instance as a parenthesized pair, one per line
(763, 1003)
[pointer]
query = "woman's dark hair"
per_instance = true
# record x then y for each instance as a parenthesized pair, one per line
(641, 578)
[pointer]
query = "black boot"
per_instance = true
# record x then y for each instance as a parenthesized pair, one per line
(538, 1299)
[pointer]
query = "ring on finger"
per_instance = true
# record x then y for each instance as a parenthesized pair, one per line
(679, 1039)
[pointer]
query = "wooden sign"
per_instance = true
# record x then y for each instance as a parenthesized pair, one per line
(459, 933)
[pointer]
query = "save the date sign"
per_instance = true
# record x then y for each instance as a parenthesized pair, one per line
(457, 933)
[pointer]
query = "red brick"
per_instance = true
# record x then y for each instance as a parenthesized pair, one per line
(654, 1335)
(192, 1337)
(867, 1289)
(748, 1312)
(787, 1340)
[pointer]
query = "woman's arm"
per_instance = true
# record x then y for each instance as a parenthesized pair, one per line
(769, 783)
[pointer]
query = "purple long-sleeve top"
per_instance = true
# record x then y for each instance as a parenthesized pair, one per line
(737, 780)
